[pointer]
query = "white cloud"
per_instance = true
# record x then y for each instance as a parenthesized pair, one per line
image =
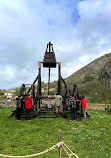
(79, 30)
(95, 22)
(84, 58)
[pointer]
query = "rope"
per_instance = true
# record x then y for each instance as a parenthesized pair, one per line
(70, 151)
(37, 154)
(67, 147)
(66, 151)
(59, 144)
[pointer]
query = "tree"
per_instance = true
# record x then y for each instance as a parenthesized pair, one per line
(17, 92)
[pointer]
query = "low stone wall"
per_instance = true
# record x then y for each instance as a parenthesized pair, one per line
(9, 103)
(6, 103)
(98, 107)
(51, 104)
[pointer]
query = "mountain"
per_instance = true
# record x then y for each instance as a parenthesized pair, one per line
(98, 70)
(90, 76)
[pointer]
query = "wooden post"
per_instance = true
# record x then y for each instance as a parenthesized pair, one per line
(49, 81)
(39, 83)
(39, 79)
(60, 148)
(64, 107)
(59, 79)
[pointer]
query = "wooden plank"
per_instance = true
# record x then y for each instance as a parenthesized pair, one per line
(46, 116)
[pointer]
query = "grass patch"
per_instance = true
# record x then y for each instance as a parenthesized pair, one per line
(88, 139)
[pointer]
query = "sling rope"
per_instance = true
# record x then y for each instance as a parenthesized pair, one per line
(59, 144)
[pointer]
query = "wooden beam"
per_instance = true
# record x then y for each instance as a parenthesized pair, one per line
(49, 81)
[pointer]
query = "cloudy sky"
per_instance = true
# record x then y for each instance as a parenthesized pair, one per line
(79, 29)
